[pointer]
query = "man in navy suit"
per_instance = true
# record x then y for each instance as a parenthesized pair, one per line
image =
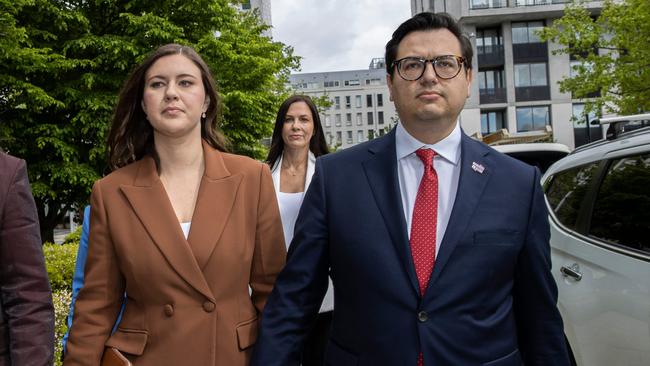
(437, 245)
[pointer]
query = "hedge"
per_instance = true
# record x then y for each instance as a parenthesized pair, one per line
(60, 262)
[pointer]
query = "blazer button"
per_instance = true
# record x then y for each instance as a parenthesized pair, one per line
(169, 310)
(423, 316)
(208, 306)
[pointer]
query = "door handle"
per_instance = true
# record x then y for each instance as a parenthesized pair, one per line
(572, 271)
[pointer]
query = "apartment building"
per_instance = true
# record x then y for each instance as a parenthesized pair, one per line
(361, 108)
(264, 8)
(516, 75)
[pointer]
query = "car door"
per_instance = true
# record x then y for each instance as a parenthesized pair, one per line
(600, 225)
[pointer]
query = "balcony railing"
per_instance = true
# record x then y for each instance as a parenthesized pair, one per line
(529, 52)
(540, 2)
(528, 93)
(487, 4)
(493, 95)
(490, 56)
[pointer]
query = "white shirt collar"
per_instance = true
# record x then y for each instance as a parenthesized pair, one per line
(448, 148)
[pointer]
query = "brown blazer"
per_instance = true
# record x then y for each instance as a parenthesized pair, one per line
(188, 301)
(26, 311)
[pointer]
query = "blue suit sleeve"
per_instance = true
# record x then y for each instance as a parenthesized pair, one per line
(78, 277)
(539, 324)
(298, 293)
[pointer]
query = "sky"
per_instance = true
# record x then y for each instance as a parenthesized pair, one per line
(336, 35)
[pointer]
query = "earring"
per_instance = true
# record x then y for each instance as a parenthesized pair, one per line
(203, 115)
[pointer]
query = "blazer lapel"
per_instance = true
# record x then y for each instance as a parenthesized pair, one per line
(474, 175)
(381, 171)
(214, 203)
(151, 204)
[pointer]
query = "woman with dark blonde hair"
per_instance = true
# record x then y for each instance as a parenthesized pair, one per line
(180, 226)
(297, 141)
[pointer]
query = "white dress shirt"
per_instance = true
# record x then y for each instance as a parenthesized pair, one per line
(410, 170)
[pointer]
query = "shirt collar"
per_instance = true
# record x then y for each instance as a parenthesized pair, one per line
(448, 148)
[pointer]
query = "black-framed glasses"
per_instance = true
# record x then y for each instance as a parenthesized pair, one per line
(445, 67)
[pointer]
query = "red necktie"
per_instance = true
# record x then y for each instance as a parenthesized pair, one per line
(424, 223)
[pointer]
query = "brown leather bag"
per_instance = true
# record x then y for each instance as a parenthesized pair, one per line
(113, 357)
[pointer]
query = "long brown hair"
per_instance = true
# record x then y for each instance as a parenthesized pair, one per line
(317, 144)
(131, 134)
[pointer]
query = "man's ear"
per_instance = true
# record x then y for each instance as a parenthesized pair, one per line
(389, 82)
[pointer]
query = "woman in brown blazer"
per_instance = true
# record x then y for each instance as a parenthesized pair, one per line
(180, 226)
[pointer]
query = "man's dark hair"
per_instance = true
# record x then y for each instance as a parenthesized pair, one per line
(423, 22)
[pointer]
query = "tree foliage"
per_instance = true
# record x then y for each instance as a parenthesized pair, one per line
(62, 64)
(615, 52)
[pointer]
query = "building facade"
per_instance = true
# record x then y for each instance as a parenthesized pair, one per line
(516, 75)
(264, 8)
(361, 108)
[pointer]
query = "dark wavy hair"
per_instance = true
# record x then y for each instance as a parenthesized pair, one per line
(423, 22)
(317, 144)
(131, 134)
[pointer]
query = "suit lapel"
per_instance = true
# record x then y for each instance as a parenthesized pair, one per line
(381, 171)
(214, 203)
(150, 203)
(474, 175)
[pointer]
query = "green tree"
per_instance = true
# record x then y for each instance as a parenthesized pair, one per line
(62, 64)
(615, 50)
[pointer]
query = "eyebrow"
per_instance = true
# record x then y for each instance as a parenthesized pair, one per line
(179, 76)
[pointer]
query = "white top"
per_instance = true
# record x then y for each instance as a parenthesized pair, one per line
(289, 217)
(185, 226)
(410, 170)
(289, 207)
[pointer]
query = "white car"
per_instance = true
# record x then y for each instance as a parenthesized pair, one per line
(599, 203)
(539, 154)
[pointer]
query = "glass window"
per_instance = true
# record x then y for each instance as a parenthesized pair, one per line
(337, 102)
(348, 119)
(488, 40)
(380, 118)
(519, 33)
(526, 32)
(491, 121)
(490, 79)
(357, 99)
(371, 134)
(360, 136)
(522, 75)
(370, 119)
(530, 75)
(621, 212)
(349, 133)
(337, 119)
(566, 192)
(368, 100)
(328, 121)
(339, 139)
(380, 100)
(532, 118)
(359, 119)
(578, 115)
(348, 101)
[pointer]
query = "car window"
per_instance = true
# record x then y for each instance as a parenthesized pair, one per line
(567, 190)
(621, 212)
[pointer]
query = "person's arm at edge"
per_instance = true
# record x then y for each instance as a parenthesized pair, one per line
(301, 286)
(100, 299)
(270, 252)
(25, 288)
(539, 324)
(78, 276)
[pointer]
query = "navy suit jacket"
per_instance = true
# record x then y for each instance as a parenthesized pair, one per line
(491, 299)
